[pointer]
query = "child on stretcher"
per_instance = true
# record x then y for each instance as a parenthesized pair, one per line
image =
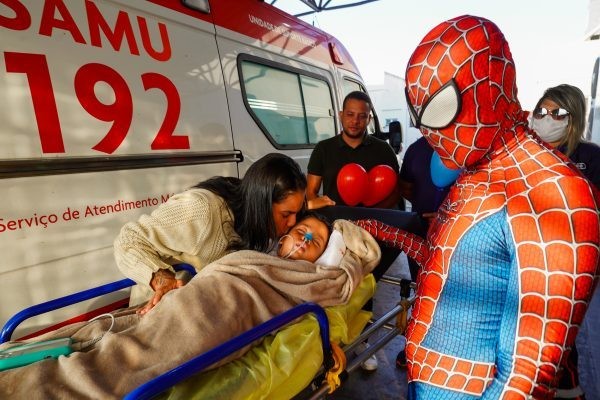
(312, 239)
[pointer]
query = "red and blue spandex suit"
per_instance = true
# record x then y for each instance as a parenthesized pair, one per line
(510, 261)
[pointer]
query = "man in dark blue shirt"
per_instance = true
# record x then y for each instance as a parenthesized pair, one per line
(417, 187)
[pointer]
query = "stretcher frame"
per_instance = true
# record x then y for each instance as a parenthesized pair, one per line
(170, 378)
(320, 387)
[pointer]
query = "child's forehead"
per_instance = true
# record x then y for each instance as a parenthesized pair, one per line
(312, 222)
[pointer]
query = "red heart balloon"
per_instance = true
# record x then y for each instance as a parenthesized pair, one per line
(382, 181)
(352, 182)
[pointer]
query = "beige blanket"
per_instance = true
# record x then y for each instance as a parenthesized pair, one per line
(225, 299)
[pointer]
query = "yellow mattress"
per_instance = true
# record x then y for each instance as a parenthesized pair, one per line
(282, 364)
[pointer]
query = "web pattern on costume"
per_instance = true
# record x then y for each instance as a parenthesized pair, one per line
(462, 48)
(414, 246)
(551, 216)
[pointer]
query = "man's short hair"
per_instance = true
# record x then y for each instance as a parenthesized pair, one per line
(358, 95)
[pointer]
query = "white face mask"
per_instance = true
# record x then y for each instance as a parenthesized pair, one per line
(548, 129)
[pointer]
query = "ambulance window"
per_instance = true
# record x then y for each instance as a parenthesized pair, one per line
(318, 108)
(351, 86)
(290, 107)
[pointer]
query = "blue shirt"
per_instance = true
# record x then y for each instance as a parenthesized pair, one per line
(416, 170)
(586, 158)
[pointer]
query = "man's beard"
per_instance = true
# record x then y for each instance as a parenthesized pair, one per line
(354, 135)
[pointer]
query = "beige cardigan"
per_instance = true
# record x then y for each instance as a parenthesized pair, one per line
(193, 227)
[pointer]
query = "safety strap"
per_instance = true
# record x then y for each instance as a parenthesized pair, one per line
(333, 375)
(402, 317)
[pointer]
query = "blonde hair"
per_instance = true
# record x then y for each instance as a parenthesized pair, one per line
(570, 98)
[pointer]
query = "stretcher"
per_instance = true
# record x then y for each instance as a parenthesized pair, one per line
(267, 370)
(282, 365)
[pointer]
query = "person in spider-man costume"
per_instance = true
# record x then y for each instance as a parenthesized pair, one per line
(510, 261)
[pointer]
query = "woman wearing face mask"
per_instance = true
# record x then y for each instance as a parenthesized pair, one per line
(559, 120)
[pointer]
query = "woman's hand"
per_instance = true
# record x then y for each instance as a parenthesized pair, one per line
(163, 281)
(319, 202)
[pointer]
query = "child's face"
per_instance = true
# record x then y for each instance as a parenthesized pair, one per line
(309, 250)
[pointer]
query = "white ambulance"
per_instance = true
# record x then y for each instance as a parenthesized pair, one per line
(108, 107)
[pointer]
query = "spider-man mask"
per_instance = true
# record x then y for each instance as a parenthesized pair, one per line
(461, 89)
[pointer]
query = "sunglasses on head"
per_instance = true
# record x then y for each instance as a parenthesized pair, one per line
(556, 114)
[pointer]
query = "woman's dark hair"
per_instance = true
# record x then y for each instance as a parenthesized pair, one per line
(269, 180)
(226, 187)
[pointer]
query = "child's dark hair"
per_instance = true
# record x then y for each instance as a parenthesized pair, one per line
(320, 217)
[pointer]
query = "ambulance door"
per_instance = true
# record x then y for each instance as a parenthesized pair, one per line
(278, 79)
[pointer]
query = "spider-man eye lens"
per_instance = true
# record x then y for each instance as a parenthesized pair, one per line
(557, 114)
(442, 108)
(439, 111)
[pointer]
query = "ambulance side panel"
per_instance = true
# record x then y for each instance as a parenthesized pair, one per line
(97, 128)
(109, 107)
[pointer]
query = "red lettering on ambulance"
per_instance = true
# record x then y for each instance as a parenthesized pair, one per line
(22, 19)
(122, 29)
(56, 15)
(165, 55)
(42, 96)
(165, 138)
(49, 22)
(120, 112)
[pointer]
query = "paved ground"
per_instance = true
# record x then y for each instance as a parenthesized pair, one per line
(387, 382)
